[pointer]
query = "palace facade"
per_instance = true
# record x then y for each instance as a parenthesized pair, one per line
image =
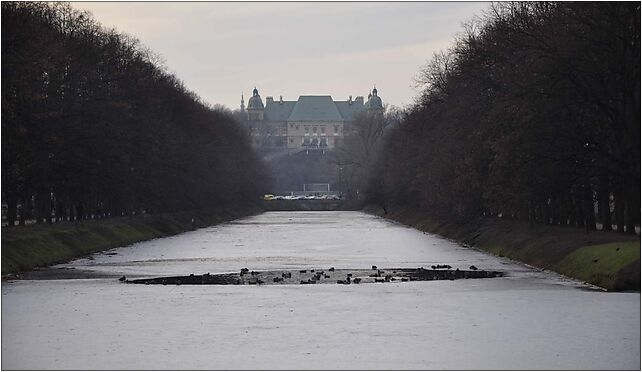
(309, 122)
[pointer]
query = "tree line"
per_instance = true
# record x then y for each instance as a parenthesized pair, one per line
(356, 155)
(93, 125)
(533, 114)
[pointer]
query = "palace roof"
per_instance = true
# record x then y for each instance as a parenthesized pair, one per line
(312, 108)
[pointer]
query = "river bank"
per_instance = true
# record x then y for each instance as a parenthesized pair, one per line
(609, 260)
(27, 247)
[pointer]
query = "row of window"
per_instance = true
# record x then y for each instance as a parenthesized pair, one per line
(314, 128)
(305, 142)
(313, 142)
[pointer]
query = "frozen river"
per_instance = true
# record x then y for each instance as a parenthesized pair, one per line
(527, 320)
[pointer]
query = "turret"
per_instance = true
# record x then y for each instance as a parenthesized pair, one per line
(374, 103)
(255, 106)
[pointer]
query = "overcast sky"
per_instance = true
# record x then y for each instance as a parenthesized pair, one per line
(222, 49)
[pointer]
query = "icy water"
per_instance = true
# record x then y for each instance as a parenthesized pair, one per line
(527, 320)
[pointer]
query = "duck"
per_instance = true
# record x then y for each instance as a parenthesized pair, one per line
(374, 267)
(122, 279)
(473, 267)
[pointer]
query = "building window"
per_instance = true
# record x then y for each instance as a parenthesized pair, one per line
(291, 126)
(314, 129)
(291, 140)
(307, 129)
(297, 127)
(323, 129)
(336, 129)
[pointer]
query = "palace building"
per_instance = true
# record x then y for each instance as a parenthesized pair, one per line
(309, 122)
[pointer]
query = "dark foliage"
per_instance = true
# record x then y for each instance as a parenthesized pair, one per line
(533, 114)
(93, 126)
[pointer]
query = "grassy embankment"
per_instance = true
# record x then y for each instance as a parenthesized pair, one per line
(609, 260)
(28, 247)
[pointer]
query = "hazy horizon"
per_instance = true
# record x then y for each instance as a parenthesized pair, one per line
(220, 50)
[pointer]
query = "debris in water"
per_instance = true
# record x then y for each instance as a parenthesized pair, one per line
(356, 276)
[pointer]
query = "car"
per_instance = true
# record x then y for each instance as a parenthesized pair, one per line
(268, 197)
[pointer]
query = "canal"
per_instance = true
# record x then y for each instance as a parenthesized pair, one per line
(79, 316)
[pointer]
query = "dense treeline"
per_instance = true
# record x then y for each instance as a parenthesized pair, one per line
(92, 125)
(355, 156)
(534, 114)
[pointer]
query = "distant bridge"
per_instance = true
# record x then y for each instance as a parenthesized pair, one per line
(310, 205)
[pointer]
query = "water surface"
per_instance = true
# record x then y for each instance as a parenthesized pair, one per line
(530, 319)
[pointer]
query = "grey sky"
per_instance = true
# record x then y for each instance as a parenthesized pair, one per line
(222, 49)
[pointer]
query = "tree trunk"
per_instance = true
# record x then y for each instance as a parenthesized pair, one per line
(39, 208)
(632, 211)
(581, 213)
(619, 211)
(590, 215)
(12, 210)
(49, 208)
(604, 208)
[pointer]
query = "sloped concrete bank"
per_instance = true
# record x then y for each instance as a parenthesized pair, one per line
(607, 259)
(27, 247)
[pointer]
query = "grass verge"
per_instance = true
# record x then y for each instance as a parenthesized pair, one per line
(27, 247)
(606, 259)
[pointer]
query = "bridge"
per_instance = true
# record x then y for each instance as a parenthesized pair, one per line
(310, 205)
